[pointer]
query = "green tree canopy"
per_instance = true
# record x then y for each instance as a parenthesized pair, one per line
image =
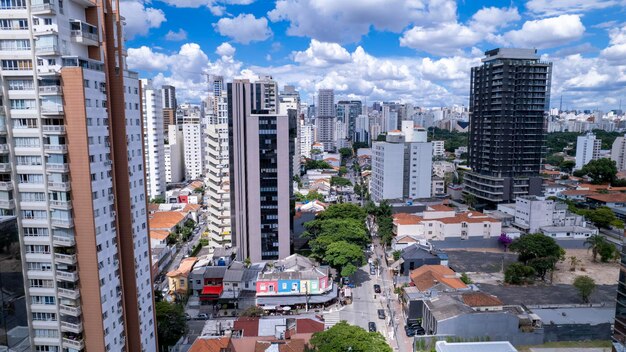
(567, 165)
(171, 323)
(340, 181)
(601, 170)
(312, 195)
(322, 233)
(602, 217)
(585, 286)
(345, 257)
(518, 273)
(538, 251)
(343, 211)
(594, 243)
(345, 337)
(316, 164)
(345, 152)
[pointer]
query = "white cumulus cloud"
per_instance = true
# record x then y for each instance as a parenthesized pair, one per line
(557, 7)
(320, 54)
(139, 19)
(244, 28)
(445, 39)
(548, 32)
(177, 36)
(225, 49)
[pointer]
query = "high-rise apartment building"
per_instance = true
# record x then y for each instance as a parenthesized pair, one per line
(174, 155)
(402, 165)
(289, 99)
(153, 138)
(217, 178)
(347, 112)
(587, 149)
(189, 119)
(325, 119)
(618, 153)
(73, 174)
(325, 103)
(509, 96)
(306, 138)
(362, 129)
(261, 149)
(168, 98)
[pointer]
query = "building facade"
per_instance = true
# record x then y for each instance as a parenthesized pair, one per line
(347, 112)
(587, 149)
(168, 98)
(189, 120)
(402, 166)
(509, 96)
(74, 176)
(618, 153)
(261, 146)
(154, 139)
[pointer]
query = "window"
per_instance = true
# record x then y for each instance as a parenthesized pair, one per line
(44, 316)
(33, 196)
(28, 160)
(14, 65)
(37, 249)
(23, 104)
(12, 4)
(14, 44)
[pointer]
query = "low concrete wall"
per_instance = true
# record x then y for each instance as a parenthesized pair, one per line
(457, 243)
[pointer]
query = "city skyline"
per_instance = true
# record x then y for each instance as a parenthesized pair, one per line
(376, 51)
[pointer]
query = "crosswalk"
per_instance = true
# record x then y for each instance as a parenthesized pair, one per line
(330, 319)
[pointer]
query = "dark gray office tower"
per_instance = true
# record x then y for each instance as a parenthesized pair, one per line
(347, 112)
(509, 98)
(261, 145)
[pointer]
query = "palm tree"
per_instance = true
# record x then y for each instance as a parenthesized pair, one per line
(595, 242)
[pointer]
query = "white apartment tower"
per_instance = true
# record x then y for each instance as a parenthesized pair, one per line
(173, 155)
(71, 171)
(153, 138)
(217, 178)
(587, 149)
(189, 119)
(402, 165)
(618, 153)
(306, 138)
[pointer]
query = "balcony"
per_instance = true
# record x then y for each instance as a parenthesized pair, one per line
(4, 148)
(65, 258)
(76, 328)
(63, 241)
(61, 204)
(50, 90)
(68, 293)
(54, 167)
(43, 9)
(84, 33)
(75, 344)
(52, 109)
(7, 204)
(59, 186)
(65, 223)
(55, 148)
(47, 50)
(6, 186)
(66, 276)
(53, 129)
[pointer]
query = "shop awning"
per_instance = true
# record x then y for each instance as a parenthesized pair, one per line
(289, 300)
(212, 290)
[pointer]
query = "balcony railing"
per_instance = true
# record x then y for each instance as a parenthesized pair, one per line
(7, 204)
(65, 258)
(53, 129)
(4, 148)
(61, 204)
(72, 327)
(63, 241)
(57, 167)
(6, 186)
(52, 109)
(55, 148)
(50, 90)
(77, 33)
(47, 50)
(66, 223)
(5, 167)
(40, 9)
(66, 276)
(60, 186)
(68, 293)
(78, 344)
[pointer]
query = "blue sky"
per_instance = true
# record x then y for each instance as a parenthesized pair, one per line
(417, 51)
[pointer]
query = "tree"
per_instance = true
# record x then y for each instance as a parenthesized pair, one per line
(172, 238)
(190, 223)
(602, 217)
(574, 262)
(538, 251)
(585, 286)
(469, 199)
(358, 189)
(607, 252)
(342, 171)
(601, 170)
(345, 337)
(340, 181)
(554, 160)
(344, 256)
(567, 165)
(311, 196)
(322, 233)
(466, 279)
(358, 145)
(594, 243)
(252, 311)
(171, 323)
(316, 164)
(157, 200)
(343, 211)
(345, 152)
(381, 137)
(518, 273)
(505, 240)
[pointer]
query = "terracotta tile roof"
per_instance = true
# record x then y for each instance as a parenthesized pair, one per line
(318, 145)
(202, 344)
(165, 219)
(331, 159)
(577, 192)
(439, 207)
(191, 207)
(471, 217)
(248, 326)
(283, 345)
(550, 172)
(395, 131)
(184, 268)
(153, 207)
(195, 184)
(481, 299)
(609, 198)
(406, 219)
(158, 234)
(427, 276)
(405, 239)
(308, 326)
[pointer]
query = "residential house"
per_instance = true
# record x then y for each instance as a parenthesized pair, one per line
(207, 283)
(166, 220)
(415, 256)
(178, 279)
(158, 238)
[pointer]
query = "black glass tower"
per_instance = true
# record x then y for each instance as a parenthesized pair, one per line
(509, 100)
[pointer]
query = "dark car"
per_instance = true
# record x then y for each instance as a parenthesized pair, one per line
(372, 270)
(414, 330)
(381, 314)
(377, 288)
(371, 326)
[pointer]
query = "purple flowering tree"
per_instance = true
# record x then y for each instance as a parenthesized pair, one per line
(505, 240)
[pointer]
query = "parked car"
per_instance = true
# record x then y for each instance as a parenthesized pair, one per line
(372, 270)
(377, 288)
(187, 316)
(202, 316)
(371, 326)
(381, 314)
